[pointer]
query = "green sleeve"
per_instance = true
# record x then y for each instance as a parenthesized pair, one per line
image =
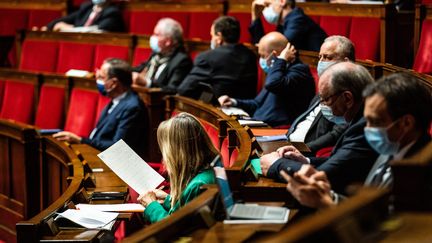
(155, 212)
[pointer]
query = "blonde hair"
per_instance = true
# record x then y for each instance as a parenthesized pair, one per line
(186, 149)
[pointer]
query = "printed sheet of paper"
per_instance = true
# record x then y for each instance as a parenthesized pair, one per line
(123, 207)
(133, 170)
(234, 111)
(91, 219)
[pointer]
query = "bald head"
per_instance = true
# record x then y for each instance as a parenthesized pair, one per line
(345, 76)
(273, 41)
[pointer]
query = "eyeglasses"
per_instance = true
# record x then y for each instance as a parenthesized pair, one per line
(327, 99)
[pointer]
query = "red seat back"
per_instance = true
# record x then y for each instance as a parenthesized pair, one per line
(41, 17)
(102, 102)
(316, 18)
(75, 56)
(103, 52)
(2, 87)
(18, 101)
(143, 22)
(200, 24)
(365, 34)
(423, 59)
(81, 114)
(39, 56)
(141, 54)
(244, 19)
(336, 25)
(267, 26)
(51, 107)
(12, 20)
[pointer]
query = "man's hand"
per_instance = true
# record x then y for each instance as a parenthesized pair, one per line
(289, 53)
(62, 26)
(312, 191)
(225, 100)
(290, 152)
(147, 198)
(67, 137)
(257, 8)
(138, 79)
(267, 161)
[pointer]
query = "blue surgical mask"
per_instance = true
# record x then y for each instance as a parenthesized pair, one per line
(323, 65)
(263, 64)
(377, 138)
(98, 2)
(328, 114)
(154, 44)
(101, 87)
(270, 15)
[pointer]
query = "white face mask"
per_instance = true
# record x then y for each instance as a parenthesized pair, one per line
(270, 15)
(323, 65)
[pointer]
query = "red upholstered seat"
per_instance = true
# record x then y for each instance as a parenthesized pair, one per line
(324, 152)
(75, 56)
(103, 52)
(423, 60)
(18, 101)
(12, 20)
(41, 17)
(141, 55)
(81, 114)
(267, 26)
(77, 3)
(426, 1)
(316, 19)
(2, 86)
(365, 34)
(200, 24)
(245, 20)
(102, 102)
(314, 73)
(143, 22)
(224, 151)
(51, 107)
(336, 25)
(39, 56)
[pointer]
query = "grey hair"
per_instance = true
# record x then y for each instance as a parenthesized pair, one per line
(172, 29)
(345, 47)
(348, 76)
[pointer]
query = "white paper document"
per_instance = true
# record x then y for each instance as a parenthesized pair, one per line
(252, 123)
(230, 111)
(77, 73)
(271, 138)
(91, 219)
(129, 166)
(124, 207)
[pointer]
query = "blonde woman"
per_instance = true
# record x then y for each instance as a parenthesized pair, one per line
(187, 152)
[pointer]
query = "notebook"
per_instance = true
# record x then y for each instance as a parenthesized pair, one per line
(238, 213)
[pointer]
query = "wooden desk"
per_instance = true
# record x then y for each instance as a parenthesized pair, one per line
(409, 227)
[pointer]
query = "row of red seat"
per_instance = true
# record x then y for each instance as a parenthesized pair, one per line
(44, 100)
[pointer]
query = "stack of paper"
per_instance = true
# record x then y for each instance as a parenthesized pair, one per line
(234, 111)
(91, 219)
(125, 207)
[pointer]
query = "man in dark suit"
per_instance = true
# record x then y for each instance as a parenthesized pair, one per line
(125, 117)
(230, 67)
(340, 89)
(298, 28)
(398, 114)
(169, 64)
(289, 84)
(98, 13)
(312, 127)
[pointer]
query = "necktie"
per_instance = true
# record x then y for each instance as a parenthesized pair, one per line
(378, 177)
(91, 18)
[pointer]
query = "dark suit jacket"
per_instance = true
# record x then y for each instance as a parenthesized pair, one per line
(173, 74)
(230, 69)
(349, 162)
(387, 182)
(322, 133)
(128, 121)
(298, 28)
(110, 19)
(287, 93)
